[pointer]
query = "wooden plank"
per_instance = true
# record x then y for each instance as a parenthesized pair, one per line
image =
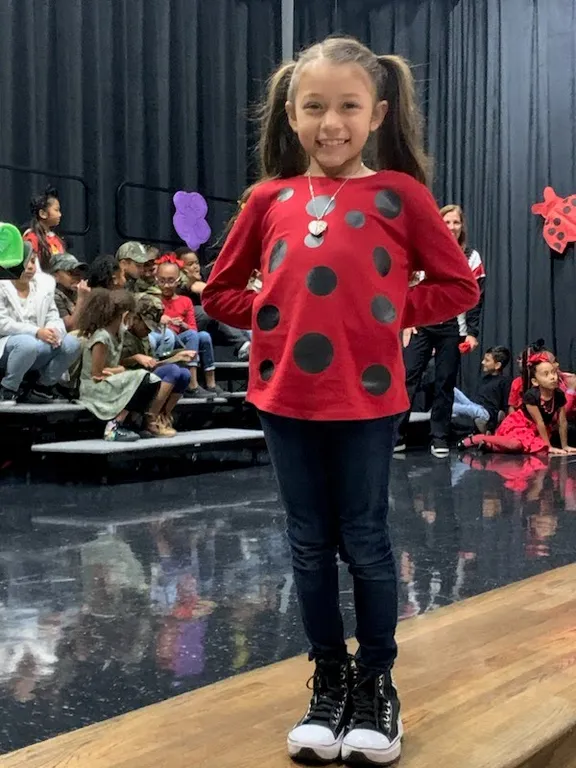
(486, 683)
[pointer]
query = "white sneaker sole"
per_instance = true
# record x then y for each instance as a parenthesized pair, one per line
(352, 755)
(314, 752)
(440, 453)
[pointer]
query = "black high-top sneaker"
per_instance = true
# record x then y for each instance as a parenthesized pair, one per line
(318, 736)
(375, 732)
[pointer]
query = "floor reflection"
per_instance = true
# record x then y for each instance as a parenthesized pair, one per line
(112, 598)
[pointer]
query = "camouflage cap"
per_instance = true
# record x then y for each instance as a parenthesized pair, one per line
(149, 309)
(65, 262)
(135, 252)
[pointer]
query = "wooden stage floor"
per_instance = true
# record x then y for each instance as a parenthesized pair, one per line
(486, 683)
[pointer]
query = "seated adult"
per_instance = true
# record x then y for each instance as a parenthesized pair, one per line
(71, 288)
(147, 282)
(132, 257)
(32, 336)
(105, 272)
(192, 285)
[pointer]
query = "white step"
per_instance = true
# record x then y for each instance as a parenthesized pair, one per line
(194, 439)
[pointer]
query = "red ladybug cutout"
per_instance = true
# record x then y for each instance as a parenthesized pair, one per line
(560, 219)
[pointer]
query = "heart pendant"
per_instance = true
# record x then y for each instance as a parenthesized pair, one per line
(317, 227)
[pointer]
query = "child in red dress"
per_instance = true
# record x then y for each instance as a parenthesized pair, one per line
(336, 243)
(543, 410)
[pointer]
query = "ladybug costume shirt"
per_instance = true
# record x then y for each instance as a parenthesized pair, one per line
(326, 341)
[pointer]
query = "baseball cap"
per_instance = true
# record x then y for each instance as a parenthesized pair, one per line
(65, 262)
(149, 310)
(135, 252)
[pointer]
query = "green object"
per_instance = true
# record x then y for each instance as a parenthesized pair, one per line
(11, 246)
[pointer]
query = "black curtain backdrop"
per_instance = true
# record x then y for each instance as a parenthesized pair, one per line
(147, 91)
(497, 79)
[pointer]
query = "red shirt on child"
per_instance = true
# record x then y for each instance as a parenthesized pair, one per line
(182, 308)
(327, 323)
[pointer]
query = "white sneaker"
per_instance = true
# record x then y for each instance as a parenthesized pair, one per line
(375, 733)
(318, 736)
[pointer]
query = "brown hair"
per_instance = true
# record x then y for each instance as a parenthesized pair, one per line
(102, 308)
(399, 140)
(463, 237)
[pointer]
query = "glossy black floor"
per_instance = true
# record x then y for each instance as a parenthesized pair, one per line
(112, 598)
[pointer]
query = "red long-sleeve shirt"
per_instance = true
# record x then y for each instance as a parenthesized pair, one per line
(182, 308)
(327, 323)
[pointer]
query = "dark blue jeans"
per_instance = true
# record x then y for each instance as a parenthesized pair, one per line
(333, 478)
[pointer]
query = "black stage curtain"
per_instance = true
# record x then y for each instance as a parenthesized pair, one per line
(145, 91)
(498, 84)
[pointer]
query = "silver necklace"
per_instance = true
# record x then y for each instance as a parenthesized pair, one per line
(318, 226)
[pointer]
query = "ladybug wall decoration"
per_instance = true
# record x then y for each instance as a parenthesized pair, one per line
(559, 219)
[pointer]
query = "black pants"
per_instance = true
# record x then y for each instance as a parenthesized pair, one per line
(333, 478)
(220, 332)
(417, 355)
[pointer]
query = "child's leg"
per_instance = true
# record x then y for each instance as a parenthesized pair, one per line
(164, 392)
(206, 351)
(299, 454)
(463, 406)
(20, 354)
(162, 342)
(59, 361)
(359, 455)
(494, 443)
(190, 341)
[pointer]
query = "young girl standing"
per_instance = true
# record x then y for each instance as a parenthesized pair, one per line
(543, 410)
(107, 388)
(46, 214)
(336, 242)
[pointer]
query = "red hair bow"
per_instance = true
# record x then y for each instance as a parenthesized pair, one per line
(170, 258)
(539, 357)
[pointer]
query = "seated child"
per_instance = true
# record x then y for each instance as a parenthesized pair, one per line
(106, 272)
(32, 335)
(492, 396)
(566, 381)
(181, 328)
(543, 410)
(137, 353)
(107, 388)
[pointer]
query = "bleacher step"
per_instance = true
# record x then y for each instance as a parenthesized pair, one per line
(486, 683)
(193, 439)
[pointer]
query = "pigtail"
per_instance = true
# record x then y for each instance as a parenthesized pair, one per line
(400, 142)
(525, 369)
(43, 253)
(281, 154)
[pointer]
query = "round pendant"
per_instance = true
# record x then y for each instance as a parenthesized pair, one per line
(317, 227)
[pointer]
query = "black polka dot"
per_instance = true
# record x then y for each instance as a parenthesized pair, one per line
(558, 246)
(383, 310)
(321, 281)
(355, 219)
(382, 260)
(315, 207)
(277, 255)
(556, 222)
(560, 235)
(268, 317)
(388, 203)
(566, 209)
(266, 370)
(551, 231)
(376, 379)
(573, 201)
(313, 242)
(285, 194)
(313, 353)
